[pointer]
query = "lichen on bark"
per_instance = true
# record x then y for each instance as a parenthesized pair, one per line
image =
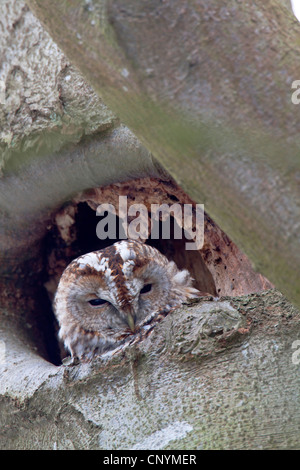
(217, 374)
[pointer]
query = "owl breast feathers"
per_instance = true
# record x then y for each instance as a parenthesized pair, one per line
(106, 296)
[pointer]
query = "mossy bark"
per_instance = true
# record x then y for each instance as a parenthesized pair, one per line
(216, 375)
(207, 88)
(219, 374)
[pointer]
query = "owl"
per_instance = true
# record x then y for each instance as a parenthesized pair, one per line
(107, 296)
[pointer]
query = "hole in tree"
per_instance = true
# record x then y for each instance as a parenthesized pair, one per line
(62, 246)
(73, 233)
(65, 244)
(175, 250)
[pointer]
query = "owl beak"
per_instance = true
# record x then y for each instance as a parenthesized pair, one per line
(130, 321)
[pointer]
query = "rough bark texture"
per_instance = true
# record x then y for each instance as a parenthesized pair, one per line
(207, 88)
(218, 374)
(219, 267)
(40, 110)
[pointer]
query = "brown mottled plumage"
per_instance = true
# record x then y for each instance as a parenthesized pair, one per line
(106, 296)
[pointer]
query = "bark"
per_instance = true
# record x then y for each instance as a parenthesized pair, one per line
(217, 374)
(207, 88)
(58, 140)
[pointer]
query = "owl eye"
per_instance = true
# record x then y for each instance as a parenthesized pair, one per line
(97, 302)
(146, 288)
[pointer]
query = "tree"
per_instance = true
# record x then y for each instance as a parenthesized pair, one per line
(191, 83)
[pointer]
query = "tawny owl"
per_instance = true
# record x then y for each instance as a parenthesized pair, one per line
(106, 296)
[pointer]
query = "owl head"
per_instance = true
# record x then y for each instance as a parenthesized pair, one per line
(105, 296)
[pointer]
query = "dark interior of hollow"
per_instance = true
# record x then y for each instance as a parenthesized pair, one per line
(173, 249)
(86, 240)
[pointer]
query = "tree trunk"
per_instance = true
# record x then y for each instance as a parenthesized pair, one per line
(207, 88)
(219, 374)
(209, 376)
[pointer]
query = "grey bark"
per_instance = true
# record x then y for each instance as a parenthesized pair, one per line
(57, 136)
(207, 88)
(218, 374)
